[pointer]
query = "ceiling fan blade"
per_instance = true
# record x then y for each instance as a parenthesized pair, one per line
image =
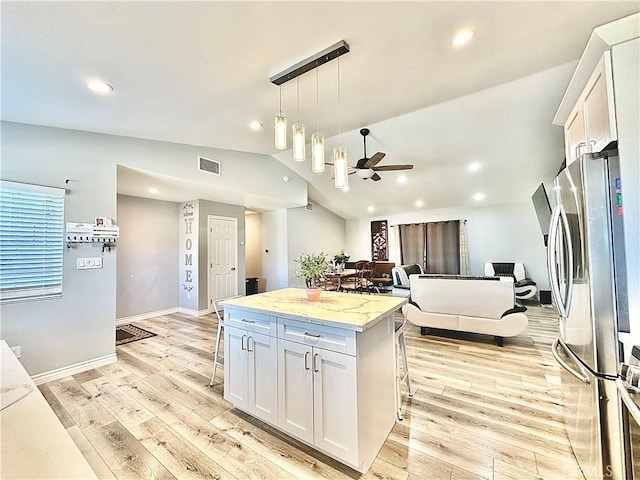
(374, 160)
(361, 163)
(376, 177)
(388, 168)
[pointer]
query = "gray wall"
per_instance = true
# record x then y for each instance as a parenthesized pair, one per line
(207, 208)
(80, 326)
(501, 233)
(314, 231)
(147, 265)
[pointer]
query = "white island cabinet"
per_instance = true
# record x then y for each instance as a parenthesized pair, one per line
(322, 372)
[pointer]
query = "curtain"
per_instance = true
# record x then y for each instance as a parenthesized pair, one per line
(464, 249)
(443, 247)
(412, 244)
(394, 244)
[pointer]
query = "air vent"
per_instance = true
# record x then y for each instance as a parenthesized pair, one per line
(209, 166)
(310, 206)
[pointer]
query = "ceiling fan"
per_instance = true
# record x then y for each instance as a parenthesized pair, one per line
(366, 167)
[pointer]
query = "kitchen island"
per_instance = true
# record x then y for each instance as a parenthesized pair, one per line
(322, 372)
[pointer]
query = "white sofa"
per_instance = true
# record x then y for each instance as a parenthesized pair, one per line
(468, 304)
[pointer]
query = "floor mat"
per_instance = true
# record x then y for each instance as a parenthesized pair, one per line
(130, 333)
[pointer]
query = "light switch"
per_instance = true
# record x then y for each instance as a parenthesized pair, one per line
(89, 263)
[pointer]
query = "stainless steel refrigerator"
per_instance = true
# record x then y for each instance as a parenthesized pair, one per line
(588, 282)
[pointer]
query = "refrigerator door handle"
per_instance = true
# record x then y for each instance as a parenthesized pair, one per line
(554, 350)
(567, 236)
(551, 261)
(628, 401)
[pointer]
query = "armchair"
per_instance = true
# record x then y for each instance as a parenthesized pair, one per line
(524, 287)
(400, 275)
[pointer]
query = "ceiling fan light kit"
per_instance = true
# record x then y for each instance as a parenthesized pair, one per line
(366, 168)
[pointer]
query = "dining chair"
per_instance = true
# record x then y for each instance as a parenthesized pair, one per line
(354, 283)
(216, 354)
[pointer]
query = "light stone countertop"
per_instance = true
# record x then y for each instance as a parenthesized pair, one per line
(345, 310)
(34, 444)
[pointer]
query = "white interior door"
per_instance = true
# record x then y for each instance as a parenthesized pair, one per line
(223, 258)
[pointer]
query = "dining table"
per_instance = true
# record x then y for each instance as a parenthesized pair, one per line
(339, 275)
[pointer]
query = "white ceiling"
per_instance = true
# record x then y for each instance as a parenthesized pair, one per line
(197, 73)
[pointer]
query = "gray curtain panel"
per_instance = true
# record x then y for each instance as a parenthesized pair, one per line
(443, 247)
(413, 244)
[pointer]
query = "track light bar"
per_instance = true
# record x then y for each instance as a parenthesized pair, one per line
(320, 58)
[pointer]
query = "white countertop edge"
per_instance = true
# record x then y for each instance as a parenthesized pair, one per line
(320, 321)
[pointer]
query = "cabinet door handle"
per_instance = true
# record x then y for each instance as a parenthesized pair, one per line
(250, 342)
(306, 365)
(242, 342)
(247, 321)
(315, 363)
(311, 335)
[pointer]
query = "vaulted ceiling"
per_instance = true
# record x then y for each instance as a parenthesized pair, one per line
(197, 73)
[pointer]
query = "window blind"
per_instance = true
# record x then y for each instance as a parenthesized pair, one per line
(31, 241)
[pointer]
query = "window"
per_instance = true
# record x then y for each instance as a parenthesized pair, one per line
(31, 241)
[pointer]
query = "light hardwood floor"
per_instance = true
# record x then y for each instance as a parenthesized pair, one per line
(479, 412)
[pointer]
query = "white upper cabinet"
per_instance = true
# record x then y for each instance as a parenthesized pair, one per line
(591, 126)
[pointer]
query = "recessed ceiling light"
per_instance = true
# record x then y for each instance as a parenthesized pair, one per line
(478, 196)
(474, 167)
(370, 209)
(419, 203)
(255, 125)
(154, 190)
(402, 179)
(462, 37)
(98, 86)
(286, 179)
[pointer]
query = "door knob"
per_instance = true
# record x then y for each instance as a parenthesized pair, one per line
(233, 269)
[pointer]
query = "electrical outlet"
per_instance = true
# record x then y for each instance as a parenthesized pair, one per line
(16, 351)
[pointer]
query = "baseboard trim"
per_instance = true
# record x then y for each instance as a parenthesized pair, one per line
(145, 316)
(195, 313)
(73, 369)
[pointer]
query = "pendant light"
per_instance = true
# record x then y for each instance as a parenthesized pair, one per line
(297, 131)
(340, 160)
(280, 127)
(317, 139)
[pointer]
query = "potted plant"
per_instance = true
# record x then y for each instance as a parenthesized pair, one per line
(313, 268)
(340, 259)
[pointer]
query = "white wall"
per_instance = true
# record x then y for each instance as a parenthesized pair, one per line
(253, 247)
(502, 233)
(314, 231)
(626, 71)
(274, 250)
(188, 283)
(147, 260)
